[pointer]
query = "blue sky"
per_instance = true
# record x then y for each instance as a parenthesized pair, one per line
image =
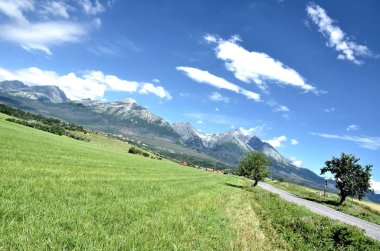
(302, 75)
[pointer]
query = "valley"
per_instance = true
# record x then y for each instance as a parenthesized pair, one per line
(61, 193)
(181, 141)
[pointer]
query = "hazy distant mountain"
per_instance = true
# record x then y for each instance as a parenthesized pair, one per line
(42, 93)
(231, 146)
(190, 137)
(128, 118)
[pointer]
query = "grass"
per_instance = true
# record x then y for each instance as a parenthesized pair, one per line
(60, 193)
(362, 209)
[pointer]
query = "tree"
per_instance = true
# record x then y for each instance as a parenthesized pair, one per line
(254, 166)
(351, 178)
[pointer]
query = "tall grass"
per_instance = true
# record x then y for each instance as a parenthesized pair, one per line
(59, 193)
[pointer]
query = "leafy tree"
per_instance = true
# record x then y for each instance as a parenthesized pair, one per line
(254, 166)
(351, 178)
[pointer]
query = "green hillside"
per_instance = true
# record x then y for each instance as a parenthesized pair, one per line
(60, 193)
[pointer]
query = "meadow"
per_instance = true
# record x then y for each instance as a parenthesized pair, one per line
(61, 193)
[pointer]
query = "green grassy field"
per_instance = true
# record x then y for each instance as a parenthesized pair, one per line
(362, 209)
(60, 193)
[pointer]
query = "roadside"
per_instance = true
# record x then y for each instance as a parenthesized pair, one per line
(361, 209)
(371, 229)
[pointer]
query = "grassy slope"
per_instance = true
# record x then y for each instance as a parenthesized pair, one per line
(59, 193)
(362, 209)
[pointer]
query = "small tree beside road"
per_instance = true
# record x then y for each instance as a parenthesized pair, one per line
(351, 178)
(254, 166)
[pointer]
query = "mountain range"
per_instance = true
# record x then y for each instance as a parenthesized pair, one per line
(130, 120)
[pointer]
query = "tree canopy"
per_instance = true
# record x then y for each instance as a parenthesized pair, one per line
(351, 178)
(254, 166)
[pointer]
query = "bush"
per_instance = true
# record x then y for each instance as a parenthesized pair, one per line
(134, 150)
(145, 154)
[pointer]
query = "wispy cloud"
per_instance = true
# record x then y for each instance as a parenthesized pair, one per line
(330, 109)
(352, 128)
(347, 49)
(56, 9)
(294, 142)
(217, 97)
(277, 141)
(372, 143)
(90, 84)
(205, 77)
(40, 36)
(53, 22)
(254, 131)
(282, 108)
(91, 7)
(216, 118)
(256, 67)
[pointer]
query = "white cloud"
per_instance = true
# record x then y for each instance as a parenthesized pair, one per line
(277, 141)
(282, 108)
(256, 67)
(277, 107)
(216, 109)
(352, 128)
(296, 162)
(208, 78)
(55, 8)
(14, 9)
(91, 7)
(216, 96)
(156, 90)
(250, 95)
(47, 28)
(294, 142)
(91, 84)
(205, 77)
(330, 109)
(372, 143)
(216, 118)
(40, 36)
(375, 186)
(254, 131)
(336, 38)
(199, 122)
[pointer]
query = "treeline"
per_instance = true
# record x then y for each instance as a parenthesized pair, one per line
(39, 118)
(42, 123)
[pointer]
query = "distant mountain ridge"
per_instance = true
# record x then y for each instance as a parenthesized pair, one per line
(237, 137)
(128, 118)
(45, 93)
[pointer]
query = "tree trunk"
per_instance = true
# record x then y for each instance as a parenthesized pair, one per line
(255, 183)
(342, 199)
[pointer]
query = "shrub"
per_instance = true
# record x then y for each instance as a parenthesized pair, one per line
(134, 150)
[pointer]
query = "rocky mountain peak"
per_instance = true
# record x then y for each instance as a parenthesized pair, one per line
(45, 93)
(12, 85)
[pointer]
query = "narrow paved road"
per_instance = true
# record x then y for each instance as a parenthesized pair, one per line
(371, 229)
